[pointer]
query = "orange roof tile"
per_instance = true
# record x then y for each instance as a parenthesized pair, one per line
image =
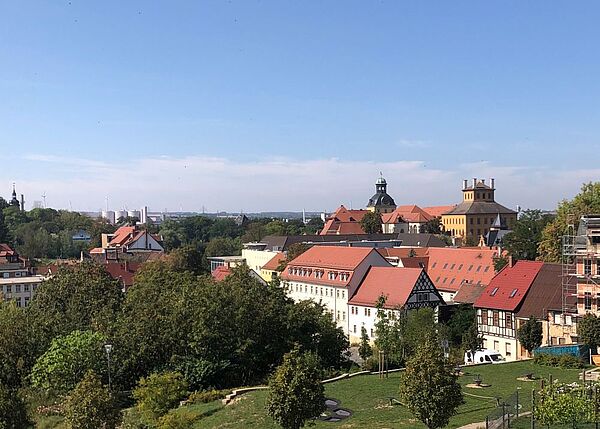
(449, 267)
(221, 272)
(344, 221)
(438, 211)
(122, 235)
(509, 287)
(335, 257)
(412, 213)
(274, 262)
(394, 283)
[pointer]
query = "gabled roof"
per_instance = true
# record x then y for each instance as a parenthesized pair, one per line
(412, 213)
(122, 235)
(6, 250)
(344, 221)
(480, 207)
(545, 294)
(274, 262)
(468, 293)
(449, 267)
(415, 262)
(438, 211)
(333, 257)
(122, 271)
(508, 288)
(403, 252)
(394, 283)
(221, 272)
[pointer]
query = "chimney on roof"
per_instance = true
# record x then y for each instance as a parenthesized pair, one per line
(511, 262)
(483, 181)
(465, 184)
(474, 181)
(492, 181)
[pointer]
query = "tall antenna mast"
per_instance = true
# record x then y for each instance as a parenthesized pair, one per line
(44, 198)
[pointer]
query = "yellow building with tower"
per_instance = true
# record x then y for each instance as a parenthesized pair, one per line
(478, 212)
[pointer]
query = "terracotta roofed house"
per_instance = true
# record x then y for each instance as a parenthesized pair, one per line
(405, 219)
(270, 271)
(403, 289)
(330, 275)
(450, 267)
(528, 288)
(344, 221)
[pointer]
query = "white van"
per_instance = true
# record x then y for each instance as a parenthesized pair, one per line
(483, 356)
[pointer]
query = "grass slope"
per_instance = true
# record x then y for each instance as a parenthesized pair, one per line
(368, 398)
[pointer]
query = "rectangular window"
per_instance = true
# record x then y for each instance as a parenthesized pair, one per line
(26, 288)
(343, 315)
(588, 300)
(496, 318)
(369, 312)
(17, 288)
(587, 267)
(508, 349)
(508, 321)
(354, 329)
(365, 311)
(484, 317)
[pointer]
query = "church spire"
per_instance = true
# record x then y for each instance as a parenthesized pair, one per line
(14, 201)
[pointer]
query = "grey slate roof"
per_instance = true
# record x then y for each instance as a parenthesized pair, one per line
(480, 207)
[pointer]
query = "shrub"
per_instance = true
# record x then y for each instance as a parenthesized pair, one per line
(90, 405)
(206, 396)
(563, 361)
(180, 420)
(13, 413)
(158, 393)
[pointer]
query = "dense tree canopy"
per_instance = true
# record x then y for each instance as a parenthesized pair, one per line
(371, 223)
(523, 242)
(569, 211)
(530, 334)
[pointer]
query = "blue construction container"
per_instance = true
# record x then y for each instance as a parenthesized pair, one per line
(581, 351)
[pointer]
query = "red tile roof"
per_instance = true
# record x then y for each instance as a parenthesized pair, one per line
(509, 287)
(403, 252)
(449, 267)
(221, 272)
(438, 211)
(122, 235)
(415, 262)
(6, 250)
(468, 293)
(335, 257)
(413, 213)
(275, 261)
(123, 271)
(344, 221)
(394, 283)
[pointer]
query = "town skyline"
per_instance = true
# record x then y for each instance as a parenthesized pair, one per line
(265, 101)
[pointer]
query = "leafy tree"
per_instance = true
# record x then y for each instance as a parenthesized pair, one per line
(569, 211)
(241, 322)
(90, 405)
(155, 322)
(432, 226)
(371, 223)
(500, 262)
(187, 258)
(389, 329)
(311, 326)
(314, 226)
(16, 352)
(530, 334)
(566, 404)
(429, 387)
(364, 349)
(463, 318)
(524, 240)
(68, 359)
(79, 297)
(295, 390)
(588, 329)
(158, 393)
(223, 246)
(471, 338)
(255, 231)
(13, 412)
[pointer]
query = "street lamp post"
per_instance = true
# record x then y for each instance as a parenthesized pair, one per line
(108, 350)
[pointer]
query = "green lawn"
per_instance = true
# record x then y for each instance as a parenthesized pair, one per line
(367, 397)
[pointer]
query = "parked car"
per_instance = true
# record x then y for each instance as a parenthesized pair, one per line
(483, 356)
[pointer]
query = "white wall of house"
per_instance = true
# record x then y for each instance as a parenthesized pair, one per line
(448, 296)
(145, 242)
(256, 259)
(498, 328)
(335, 299)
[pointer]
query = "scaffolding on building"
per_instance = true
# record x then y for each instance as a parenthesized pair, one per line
(580, 269)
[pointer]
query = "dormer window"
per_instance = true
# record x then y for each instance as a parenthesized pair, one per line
(513, 293)
(494, 291)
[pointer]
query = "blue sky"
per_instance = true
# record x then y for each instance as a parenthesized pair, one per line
(125, 98)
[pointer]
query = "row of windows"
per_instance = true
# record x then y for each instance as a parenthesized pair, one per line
(507, 347)
(354, 330)
(495, 319)
(461, 221)
(318, 290)
(460, 267)
(318, 274)
(17, 274)
(22, 302)
(18, 288)
(587, 267)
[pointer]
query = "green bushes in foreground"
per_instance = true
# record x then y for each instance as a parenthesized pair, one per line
(559, 361)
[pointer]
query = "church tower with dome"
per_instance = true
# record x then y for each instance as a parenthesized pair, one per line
(381, 202)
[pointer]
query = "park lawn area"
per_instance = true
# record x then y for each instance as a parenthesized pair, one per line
(368, 398)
